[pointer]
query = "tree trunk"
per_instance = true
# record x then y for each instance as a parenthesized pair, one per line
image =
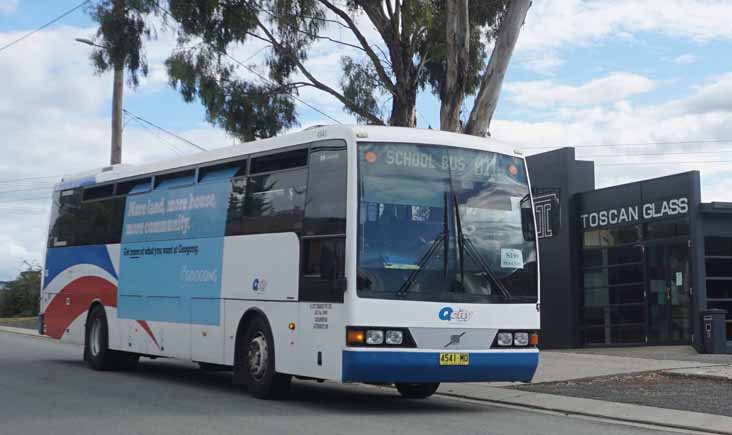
(458, 49)
(404, 108)
(490, 86)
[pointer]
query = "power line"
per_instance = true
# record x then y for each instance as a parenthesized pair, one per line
(149, 130)
(13, 180)
(165, 131)
(39, 198)
(674, 153)
(638, 144)
(679, 162)
(10, 44)
(36, 189)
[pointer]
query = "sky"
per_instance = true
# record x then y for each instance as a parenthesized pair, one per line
(642, 88)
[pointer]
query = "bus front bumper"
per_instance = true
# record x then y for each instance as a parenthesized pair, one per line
(410, 366)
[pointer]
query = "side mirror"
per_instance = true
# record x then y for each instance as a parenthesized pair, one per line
(527, 219)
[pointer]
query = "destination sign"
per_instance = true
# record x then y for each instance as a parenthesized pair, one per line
(421, 160)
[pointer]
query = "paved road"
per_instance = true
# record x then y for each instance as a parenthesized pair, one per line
(46, 389)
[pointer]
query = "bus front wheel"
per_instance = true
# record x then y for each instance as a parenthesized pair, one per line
(417, 391)
(259, 363)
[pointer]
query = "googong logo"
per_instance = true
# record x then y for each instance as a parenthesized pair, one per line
(449, 314)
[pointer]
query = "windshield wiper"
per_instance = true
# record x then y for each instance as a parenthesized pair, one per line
(464, 242)
(441, 239)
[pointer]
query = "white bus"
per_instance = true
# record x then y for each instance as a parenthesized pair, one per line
(345, 253)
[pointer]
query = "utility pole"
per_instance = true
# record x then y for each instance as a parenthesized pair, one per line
(119, 75)
(119, 78)
(117, 91)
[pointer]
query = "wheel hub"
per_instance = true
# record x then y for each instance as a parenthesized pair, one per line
(258, 356)
(96, 336)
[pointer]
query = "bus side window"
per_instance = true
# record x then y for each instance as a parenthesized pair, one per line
(85, 217)
(324, 227)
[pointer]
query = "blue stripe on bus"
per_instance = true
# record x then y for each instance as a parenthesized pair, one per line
(60, 259)
(405, 366)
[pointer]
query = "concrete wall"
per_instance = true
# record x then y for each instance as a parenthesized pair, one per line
(559, 254)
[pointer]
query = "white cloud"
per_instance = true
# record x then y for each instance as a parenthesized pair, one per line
(542, 63)
(546, 93)
(557, 23)
(703, 116)
(685, 59)
(552, 25)
(8, 6)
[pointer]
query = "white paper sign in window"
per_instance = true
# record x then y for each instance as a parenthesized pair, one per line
(512, 259)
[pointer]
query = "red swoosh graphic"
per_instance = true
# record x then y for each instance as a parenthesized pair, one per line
(81, 293)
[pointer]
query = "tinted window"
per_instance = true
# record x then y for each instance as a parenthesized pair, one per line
(326, 206)
(177, 179)
(279, 161)
(75, 222)
(323, 254)
(718, 246)
(323, 265)
(660, 230)
(268, 203)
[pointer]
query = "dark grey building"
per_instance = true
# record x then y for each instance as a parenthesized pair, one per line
(630, 264)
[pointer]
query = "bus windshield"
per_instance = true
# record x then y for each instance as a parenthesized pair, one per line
(439, 223)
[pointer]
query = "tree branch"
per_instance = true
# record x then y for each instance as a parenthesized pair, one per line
(387, 83)
(490, 87)
(317, 83)
(325, 38)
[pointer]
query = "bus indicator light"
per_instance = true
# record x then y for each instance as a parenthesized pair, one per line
(534, 339)
(355, 337)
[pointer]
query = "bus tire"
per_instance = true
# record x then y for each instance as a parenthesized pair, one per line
(417, 391)
(258, 362)
(96, 345)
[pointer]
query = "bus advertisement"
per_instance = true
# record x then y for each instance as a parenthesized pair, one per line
(353, 254)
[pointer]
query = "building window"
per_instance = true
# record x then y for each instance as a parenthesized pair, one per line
(614, 304)
(663, 230)
(718, 262)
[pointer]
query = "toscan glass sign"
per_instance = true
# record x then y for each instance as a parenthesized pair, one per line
(635, 213)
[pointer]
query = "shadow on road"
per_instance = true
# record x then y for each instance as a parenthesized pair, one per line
(330, 397)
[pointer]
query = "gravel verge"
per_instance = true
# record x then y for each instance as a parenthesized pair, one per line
(656, 389)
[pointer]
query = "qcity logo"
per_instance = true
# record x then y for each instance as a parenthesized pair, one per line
(259, 285)
(449, 314)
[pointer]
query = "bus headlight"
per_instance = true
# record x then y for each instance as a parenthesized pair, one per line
(374, 336)
(505, 339)
(521, 339)
(394, 337)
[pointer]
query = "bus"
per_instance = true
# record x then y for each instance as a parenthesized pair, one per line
(346, 253)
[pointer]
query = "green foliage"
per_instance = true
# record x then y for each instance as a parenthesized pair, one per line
(409, 55)
(21, 296)
(122, 26)
(360, 86)
(246, 110)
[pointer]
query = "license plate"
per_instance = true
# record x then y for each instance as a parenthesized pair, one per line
(454, 359)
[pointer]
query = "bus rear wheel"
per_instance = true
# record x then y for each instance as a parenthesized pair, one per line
(258, 363)
(416, 391)
(96, 345)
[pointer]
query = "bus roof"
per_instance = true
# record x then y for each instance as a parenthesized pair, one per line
(362, 133)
